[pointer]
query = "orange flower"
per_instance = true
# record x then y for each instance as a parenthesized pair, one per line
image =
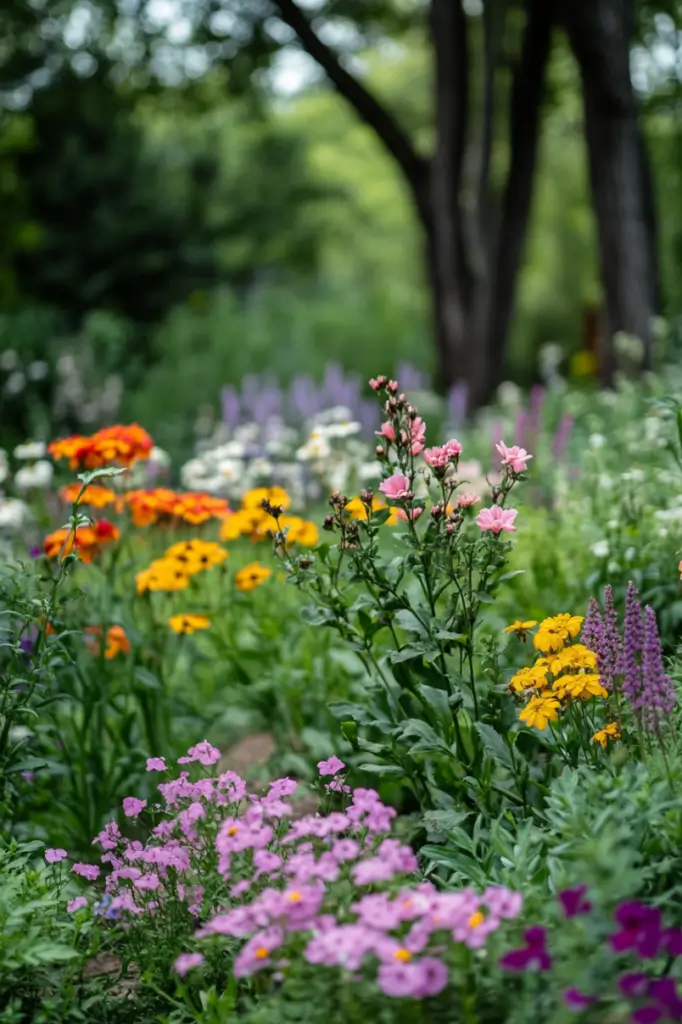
(117, 641)
(119, 445)
(147, 507)
(94, 495)
(87, 540)
(197, 508)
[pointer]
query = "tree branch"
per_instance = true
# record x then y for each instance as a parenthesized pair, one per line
(376, 116)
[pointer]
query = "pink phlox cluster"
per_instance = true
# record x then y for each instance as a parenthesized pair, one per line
(203, 752)
(109, 837)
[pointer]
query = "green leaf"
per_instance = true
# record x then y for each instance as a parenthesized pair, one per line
(436, 699)
(407, 619)
(494, 745)
(315, 616)
(509, 575)
(444, 821)
(95, 474)
(382, 769)
(147, 679)
(446, 634)
(344, 710)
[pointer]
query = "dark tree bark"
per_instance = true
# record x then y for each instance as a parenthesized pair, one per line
(600, 33)
(472, 256)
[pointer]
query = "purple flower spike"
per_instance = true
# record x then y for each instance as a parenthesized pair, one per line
(577, 1000)
(573, 902)
(633, 632)
(563, 432)
(531, 957)
(658, 692)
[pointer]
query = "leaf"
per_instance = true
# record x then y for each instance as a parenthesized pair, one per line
(494, 745)
(444, 821)
(509, 575)
(407, 619)
(446, 634)
(343, 710)
(95, 474)
(315, 616)
(429, 738)
(411, 651)
(436, 699)
(382, 769)
(147, 679)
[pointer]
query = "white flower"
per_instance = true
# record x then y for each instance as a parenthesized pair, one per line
(316, 447)
(230, 470)
(247, 433)
(9, 360)
(337, 414)
(37, 370)
(346, 428)
(596, 440)
(30, 450)
(369, 471)
(669, 515)
(600, 548)
(509, 395)
(13, 514)
(35, 477)
(635, 475)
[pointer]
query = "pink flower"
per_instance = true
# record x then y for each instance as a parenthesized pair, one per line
(204, 753)
(396, 487)
(108, 837)
(88, 871)
(54, 856)
(497, 519)
(387, 431)
(467, 500)
(453, 448)
(436, 458)
(412, 513)
(156, 764)
(149, 882)
(417, 438)
(132, 806)
(76, 904)
(255, 955)
(516, 458)
(186, 962)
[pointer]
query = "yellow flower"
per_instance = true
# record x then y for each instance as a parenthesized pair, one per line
(356, 509)
(162, 574)
(275, 495)
(528, 678)
(300, 531)
(574, 656)
(251, 576)
(548, 640)
(197, 555)
(570, 623)
(539, 711)
(520, 627)
(585, 685)
(189, 623)
(609, 732)
(245, 522)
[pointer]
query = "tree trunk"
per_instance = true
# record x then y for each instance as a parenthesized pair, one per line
(600, 32)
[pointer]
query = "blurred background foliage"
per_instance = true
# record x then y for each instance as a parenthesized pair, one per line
(185, 200)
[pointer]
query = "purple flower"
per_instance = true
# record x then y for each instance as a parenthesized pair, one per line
(563, 432)
(332, 766)
(36, 551)
(186, 962)
(76, 904)
(658, 693)
(573, 902)
(600, 635)
(531, 957)
(156, 764)
(633, 632)
(634, 985)
(87, 871)
(640, 930)
(132, 806)
(53, 856)
(577, 1000)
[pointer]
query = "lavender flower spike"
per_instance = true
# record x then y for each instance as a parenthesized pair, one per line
(658, 691)
(600, 635)
(633, 632)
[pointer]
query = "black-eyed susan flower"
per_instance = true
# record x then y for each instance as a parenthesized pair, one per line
(254, 498)
(251, 576)
(521, 628)
(189, 623)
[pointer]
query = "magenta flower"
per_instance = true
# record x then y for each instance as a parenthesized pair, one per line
(132, 806)
(387, 431)
(577, 1000)
(332, 766)
(203, 752)
(516, 458)
(634, 985)
(497, 519)
(88, 871)
(109, 836)
(573, 902)
(396, 487)
(531, 957)
(54, 856)
(640, 930)
(76, 904)
(255, 955)
(187, 962)
(156, 764)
